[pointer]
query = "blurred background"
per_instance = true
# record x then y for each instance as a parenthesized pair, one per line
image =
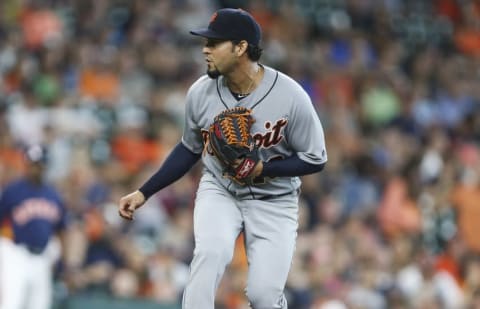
(392, 222)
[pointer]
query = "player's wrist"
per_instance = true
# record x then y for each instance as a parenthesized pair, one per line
(257, 171)
(142, 194)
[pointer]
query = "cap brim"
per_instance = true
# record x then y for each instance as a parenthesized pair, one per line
(207, 33)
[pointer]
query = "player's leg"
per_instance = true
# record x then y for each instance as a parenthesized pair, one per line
(13, 272)
(270, 234)
(40, 290)
(217, 223)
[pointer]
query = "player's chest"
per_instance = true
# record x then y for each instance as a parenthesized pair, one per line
(269, 128)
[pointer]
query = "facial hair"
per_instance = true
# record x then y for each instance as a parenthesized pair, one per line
(213, 74)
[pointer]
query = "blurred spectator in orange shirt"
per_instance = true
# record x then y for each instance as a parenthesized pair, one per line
(465, 198)
(11, 159)
(40, 27)
(99, 83)
(134, 150)
(467, 36)
(398, 211)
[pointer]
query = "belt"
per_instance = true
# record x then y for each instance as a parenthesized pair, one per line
(262, 198)
(270, 196)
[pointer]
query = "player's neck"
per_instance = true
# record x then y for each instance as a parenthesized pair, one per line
(245, 79)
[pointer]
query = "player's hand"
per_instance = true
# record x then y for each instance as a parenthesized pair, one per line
(129, 203)
(257, 170)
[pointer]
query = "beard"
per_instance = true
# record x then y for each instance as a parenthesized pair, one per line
(213, 74)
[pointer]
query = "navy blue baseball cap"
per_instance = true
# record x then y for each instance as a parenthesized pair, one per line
(232, 24)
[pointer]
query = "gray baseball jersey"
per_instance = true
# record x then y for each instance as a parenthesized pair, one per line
(285, 123)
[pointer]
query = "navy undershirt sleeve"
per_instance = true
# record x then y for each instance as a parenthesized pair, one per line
(177, 164)
(290, 167)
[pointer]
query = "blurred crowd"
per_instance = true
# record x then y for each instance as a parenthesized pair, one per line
(392, 222)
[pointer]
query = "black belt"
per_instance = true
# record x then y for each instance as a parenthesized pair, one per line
(270, 196)
(265, 197)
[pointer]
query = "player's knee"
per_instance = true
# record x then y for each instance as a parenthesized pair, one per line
(263, 296)
(215, 251)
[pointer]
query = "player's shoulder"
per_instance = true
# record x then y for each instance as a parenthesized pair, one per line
(287, 83)
(290, 88)
(201, 85)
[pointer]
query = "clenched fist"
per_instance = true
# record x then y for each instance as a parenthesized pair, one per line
(129, 203)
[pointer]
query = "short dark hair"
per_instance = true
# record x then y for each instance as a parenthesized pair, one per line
(254, 52)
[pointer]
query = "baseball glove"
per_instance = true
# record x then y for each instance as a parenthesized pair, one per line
(232, 144)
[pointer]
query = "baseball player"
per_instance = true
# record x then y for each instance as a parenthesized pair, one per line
(290, 141)
(35, 212)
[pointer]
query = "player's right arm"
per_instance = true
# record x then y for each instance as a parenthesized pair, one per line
(178, 163)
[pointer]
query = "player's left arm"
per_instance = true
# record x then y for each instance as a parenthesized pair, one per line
(305, 136)
(290, 167)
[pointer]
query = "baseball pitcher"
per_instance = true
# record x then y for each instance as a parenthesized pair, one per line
(256, 131)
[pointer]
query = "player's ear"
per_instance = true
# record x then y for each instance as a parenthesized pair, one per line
(241, 47)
